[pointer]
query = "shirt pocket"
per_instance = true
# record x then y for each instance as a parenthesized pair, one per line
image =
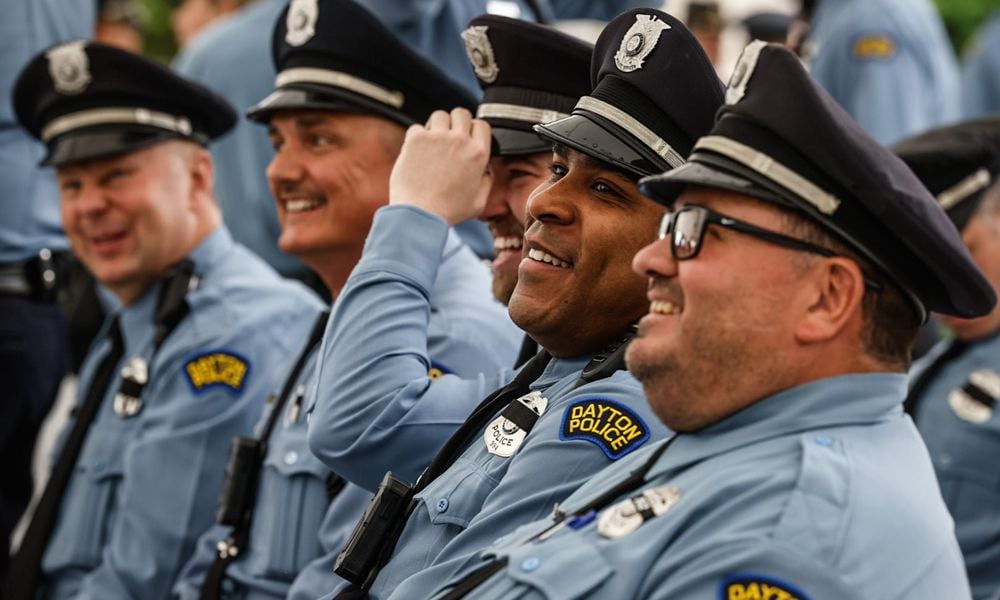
(291, 504)
(576, 569)
(457, 497)
(87, 513)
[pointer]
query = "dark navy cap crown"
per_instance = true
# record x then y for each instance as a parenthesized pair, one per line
(86, 100)
(655, 92)
(781, 138)
(957, 163)
(335, 55)
(529, 74)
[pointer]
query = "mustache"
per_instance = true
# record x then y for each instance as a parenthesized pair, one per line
(668, 289)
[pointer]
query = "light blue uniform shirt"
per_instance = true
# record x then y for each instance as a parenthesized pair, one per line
(291, 507)
(981, 71)
(888, 63)
(821, 491)
(145, 487)
(964, 453)
(29, 197)
(378, 409)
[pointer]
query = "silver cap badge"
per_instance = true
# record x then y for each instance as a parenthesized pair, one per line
(744, 68)
(625, 517)
(638, 42)
(69, 67)
(300, 24)
(503, 437)
(480, 52)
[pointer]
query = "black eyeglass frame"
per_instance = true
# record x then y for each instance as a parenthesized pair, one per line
(708, 217)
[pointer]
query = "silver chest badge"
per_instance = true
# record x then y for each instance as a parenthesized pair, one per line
(985, 384)
(69, 67)
(503, 437)
(480, 52)
(625, 517)
(128, 399)
(639, 41)
(301, 21)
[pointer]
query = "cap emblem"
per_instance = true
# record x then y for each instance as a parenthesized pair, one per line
(638, 42)
(301, 21)
(742, 72)
(69, 67)
(480, 52)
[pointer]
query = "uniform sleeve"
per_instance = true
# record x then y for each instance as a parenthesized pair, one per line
(192, 576)
(602, 10)
(172, 471)
(757, 568)
(981, 73)
(378, 404)
(553, 453)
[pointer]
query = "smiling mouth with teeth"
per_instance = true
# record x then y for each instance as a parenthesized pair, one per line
(664, 307)
(545, 257)
(298, 206)
(507, 243)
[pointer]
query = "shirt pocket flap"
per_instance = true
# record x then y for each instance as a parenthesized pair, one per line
(574, 571)
(459, 498)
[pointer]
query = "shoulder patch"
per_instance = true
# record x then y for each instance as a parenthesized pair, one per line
(217, 368)
(614, 427)
(437, 370)
(750, 586)
(874, 47)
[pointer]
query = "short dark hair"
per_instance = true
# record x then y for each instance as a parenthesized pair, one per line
(890, 320)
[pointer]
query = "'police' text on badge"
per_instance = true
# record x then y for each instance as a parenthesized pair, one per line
(218, 368)
(614, 427)
(757, 587)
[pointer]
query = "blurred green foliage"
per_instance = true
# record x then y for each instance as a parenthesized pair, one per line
(159, 36)
(963, 17)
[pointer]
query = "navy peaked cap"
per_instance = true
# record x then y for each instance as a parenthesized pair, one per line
(85, 100)
(783, 139)
(957, 163)
(335, 55)
(654, 93)
(529, 74)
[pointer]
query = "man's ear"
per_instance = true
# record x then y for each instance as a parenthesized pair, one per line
(838, 289)
(202, 176)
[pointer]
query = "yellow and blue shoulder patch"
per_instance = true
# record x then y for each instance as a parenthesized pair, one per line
(437, 370)
(614, 427)
(215, 369)
(873, 46)
(750, 586)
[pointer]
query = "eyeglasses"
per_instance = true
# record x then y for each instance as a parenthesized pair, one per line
(686, 228)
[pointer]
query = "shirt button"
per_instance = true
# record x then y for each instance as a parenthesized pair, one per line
(442, 505)
(530, 564)
(291, 457)
(824, 440)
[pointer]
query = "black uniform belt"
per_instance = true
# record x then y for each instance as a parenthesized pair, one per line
(38, 278)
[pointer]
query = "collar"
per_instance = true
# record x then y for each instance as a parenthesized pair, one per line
(559, 368)
(832, 402)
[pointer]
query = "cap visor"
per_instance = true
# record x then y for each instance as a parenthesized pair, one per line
(321, 98)
(78, 146)
(512, 142)
(587, 136)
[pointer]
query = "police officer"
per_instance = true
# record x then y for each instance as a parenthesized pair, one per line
(197, 324)
(563, 417)
(33, 353)
(888, 62)
(336, 139)
(789, 280)
(956, 387)
(529, 73)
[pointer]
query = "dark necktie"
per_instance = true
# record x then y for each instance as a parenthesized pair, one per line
(26, 565)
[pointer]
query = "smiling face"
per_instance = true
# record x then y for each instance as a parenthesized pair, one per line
(514, 178)
(720, 332)
(982, 236)
(329, 174)
(130, 217)
(576, 291)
